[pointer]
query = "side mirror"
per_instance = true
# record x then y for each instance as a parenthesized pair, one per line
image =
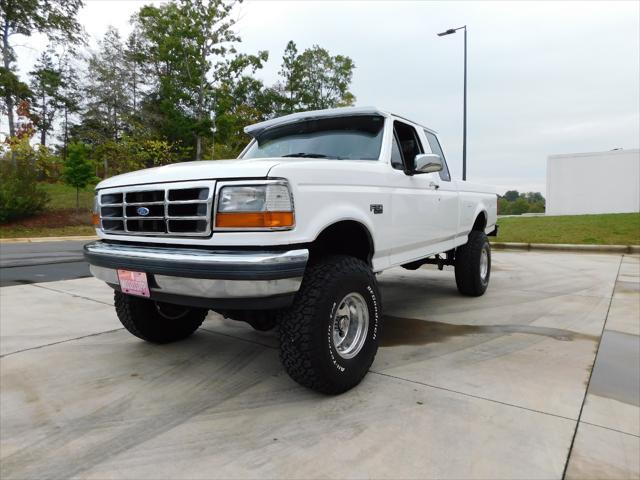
(428, 162)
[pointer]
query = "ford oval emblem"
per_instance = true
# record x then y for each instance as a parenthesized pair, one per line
(143, 211)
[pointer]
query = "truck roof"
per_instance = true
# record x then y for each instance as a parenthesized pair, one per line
(257, 128)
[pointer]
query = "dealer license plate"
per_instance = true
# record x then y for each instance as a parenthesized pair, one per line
(134, 283)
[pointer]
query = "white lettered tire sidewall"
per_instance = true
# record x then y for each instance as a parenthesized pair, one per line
(306, 347)
(364, 358)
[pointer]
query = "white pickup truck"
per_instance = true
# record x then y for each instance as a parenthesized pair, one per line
(291, 235)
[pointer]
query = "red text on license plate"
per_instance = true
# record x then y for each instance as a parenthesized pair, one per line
(133, 283)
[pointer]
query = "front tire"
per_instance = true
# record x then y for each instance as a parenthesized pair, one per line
(329, 336)
(473, 265)
(157, 322)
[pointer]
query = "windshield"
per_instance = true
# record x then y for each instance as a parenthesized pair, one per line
(339, 138)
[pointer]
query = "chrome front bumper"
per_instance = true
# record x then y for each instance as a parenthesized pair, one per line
(207, 278)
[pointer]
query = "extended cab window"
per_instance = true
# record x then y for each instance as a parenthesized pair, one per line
(434, 144)
(341, 138)
(410, 145)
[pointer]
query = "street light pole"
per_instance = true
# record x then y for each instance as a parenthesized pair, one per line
(464, 101)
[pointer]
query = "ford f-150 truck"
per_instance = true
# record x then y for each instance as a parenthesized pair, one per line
(291, 236)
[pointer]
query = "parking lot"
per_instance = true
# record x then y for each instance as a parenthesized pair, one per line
(501, 386)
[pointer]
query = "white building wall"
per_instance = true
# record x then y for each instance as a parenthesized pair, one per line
(598, 182)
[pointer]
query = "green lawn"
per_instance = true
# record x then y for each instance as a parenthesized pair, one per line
(60, 217)
(18, 231)
(606, 229)
(62, 196)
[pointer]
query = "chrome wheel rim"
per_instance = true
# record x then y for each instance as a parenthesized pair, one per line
(350, 325)
(484, 264)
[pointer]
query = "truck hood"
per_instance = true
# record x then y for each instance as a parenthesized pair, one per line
(201, 170)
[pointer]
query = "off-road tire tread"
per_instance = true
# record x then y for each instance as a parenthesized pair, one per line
(298, 353)
(133, 311)
(467, 256)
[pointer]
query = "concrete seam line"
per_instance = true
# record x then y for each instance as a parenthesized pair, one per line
(473, 396)
(609, 428)
(595, 359)
(37, 285)
(238, 338)
(48, 239)
(61, 341)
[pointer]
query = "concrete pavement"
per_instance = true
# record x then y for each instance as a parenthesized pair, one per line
(489, 387)
(606, 443)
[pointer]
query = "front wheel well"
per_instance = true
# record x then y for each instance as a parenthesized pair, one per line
(481, 222)
(347, 237)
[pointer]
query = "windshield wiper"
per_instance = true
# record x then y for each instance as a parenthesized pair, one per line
(307, 155)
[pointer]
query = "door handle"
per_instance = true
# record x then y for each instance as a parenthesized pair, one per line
(434, 185)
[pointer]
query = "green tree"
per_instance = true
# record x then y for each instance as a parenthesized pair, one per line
(134, 60)
(108, 102)
(78, 169)
(69, 96)
(511, 195)
(107, 111)
(519, 206)
(13, 92)
(315, 79)
(54, 18)
(240, 100)
(536, 207)
(46, 85)
(181, 41)
(534, 197)
(292, 77)
(504, 206)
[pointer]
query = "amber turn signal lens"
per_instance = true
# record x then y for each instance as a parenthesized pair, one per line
(254, 220)
(95, 219)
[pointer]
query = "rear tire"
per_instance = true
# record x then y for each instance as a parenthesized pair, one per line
(473, 265)
(157, 322)
(329, 336)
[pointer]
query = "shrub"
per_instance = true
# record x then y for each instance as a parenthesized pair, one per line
(20, 194)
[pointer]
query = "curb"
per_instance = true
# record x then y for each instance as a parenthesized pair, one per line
(565, 247)
(48, 239)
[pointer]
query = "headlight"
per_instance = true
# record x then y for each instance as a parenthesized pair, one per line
(255, 206)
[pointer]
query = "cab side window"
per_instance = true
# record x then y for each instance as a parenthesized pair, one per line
(408, 142)
(434, 145)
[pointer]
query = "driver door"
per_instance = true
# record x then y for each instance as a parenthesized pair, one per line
(414, 199)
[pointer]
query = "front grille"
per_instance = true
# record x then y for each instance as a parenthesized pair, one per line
(178, 209)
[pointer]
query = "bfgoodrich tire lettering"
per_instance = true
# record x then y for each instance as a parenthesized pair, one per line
(473, 265)
(307, 349)
(157, 322)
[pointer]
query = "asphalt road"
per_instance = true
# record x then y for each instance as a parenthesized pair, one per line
(23, 263)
